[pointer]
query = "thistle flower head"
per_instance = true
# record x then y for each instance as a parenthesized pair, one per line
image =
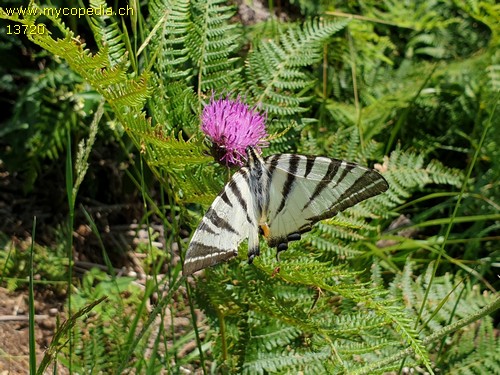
(232, 126)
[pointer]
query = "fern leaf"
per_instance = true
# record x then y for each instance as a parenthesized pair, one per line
(107, 35)
(212, 41)
(273, 68)
(172, 20)
(287, 360)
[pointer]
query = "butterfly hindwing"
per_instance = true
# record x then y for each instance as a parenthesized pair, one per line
(229, 220)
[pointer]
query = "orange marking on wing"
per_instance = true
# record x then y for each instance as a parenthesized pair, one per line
(265, 230)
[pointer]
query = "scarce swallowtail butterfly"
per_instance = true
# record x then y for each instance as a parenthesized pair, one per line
(280, 196)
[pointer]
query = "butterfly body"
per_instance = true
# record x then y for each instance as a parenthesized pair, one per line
(281, 197)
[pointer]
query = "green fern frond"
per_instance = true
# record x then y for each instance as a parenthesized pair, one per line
(278, 336)
(130, 93)
(287, 360)
(473, 351)
(96, 69)
(108, 77)
(331, 247)
(172, 153)
(107, 35)
(273, 68)
(183, 162)
(345, 324)
(72, 49)
(494, 76)
(455, 305)
(211, 42)
(173, 104)
(406, 172)
(343, 228)
(161, 147)
(448, 300)
(170, 22)
(440, 174)
(351, 349)
(198, 185)
(376, 310)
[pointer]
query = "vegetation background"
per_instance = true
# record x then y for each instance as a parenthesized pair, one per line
(105, 173)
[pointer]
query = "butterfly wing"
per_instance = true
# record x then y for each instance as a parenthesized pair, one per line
(284, 195)
(229, 220)
(304, 190)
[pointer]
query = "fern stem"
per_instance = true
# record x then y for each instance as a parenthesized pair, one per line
(69, 250)
(203, 46)
(325, 70)
(355, 88)
(364, 18)
(176, 237)
(222, 327)
(31, 304)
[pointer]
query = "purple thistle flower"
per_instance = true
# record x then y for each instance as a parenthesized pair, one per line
(232, 126)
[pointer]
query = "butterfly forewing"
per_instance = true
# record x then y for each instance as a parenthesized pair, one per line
(229, 220)
(306, 189)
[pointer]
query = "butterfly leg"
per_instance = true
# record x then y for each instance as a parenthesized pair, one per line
(281, 247)
(252, 253)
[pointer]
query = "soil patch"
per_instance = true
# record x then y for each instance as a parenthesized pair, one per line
(14, 331)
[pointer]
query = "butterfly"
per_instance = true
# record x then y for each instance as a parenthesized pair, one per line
(281, 197)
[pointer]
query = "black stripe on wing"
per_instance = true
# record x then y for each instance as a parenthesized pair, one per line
(226, 199)
(328, 175)
(206, 256)
(370, 183)
(218, 221)
(239, 197)
(325, 183)
(271, 163)
(309, 165)
(290, 179)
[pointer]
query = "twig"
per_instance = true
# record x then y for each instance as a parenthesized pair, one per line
(20, 318)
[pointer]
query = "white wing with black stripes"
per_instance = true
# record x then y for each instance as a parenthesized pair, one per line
(230, 219)
(306, 189)
(281, 196)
